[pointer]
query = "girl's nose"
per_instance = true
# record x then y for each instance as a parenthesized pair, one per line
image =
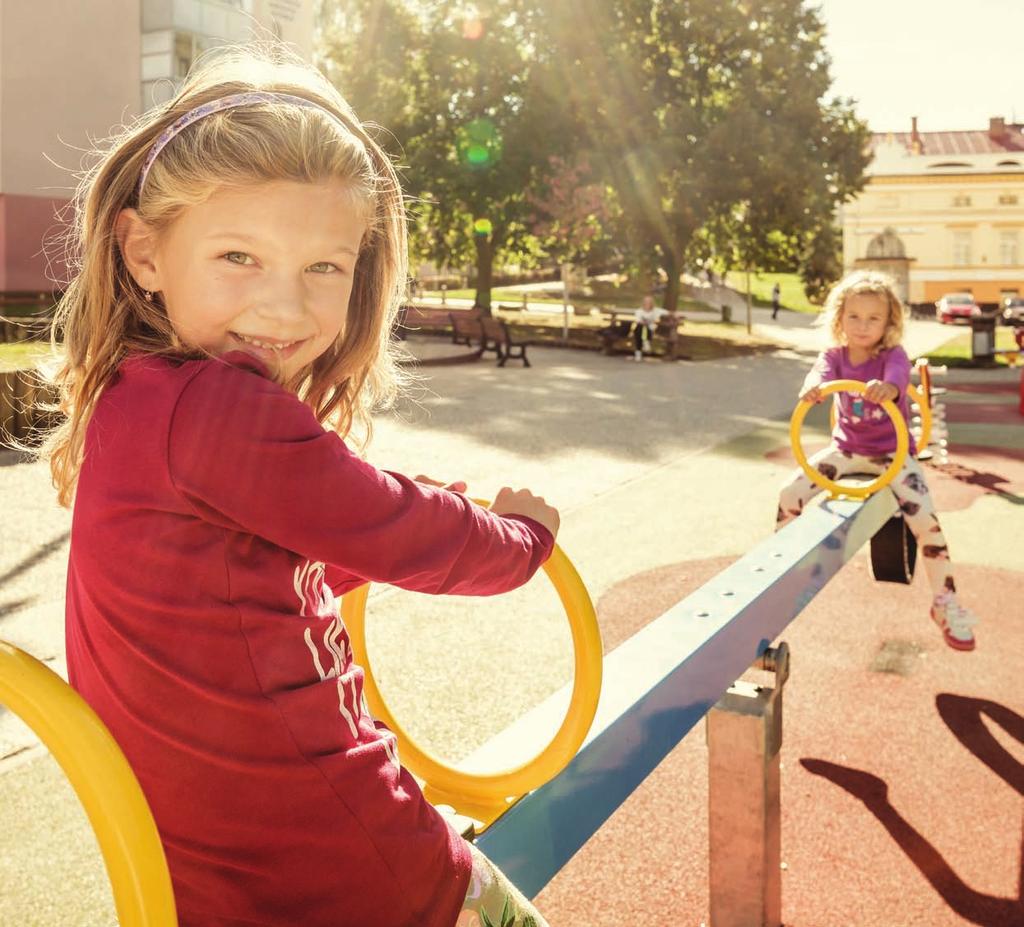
(284, 300)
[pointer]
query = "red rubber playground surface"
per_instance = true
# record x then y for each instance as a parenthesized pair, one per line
(902, 760)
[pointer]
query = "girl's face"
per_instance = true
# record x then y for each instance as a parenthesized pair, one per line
(265, 269)
(865, 318)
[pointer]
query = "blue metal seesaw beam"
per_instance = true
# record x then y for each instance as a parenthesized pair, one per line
(663, 680)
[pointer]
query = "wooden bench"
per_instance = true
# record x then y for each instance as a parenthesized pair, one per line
(466, 328)
(498, 338)
(617, 336)
(421, 318)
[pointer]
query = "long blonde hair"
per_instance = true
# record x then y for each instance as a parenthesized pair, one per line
(104, 315)
(865, 281)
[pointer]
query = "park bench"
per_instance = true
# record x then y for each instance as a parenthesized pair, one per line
(617, 336)
(498, 337)
(466, 328)
(421, 318)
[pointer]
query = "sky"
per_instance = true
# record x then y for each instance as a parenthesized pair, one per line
(951, 63)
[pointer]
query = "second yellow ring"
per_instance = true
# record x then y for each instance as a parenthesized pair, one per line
(521, 779)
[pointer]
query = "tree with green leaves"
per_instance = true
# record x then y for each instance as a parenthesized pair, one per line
(693, 126)
(708, 121)
(463, 89)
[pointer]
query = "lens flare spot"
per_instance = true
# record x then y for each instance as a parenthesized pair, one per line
(477, 155)
(472, 28)
(479, 144)
(482, 227)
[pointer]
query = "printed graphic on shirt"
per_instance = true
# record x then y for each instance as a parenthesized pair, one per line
(329, 646)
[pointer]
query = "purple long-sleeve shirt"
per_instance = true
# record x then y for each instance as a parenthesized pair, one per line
(863, 427)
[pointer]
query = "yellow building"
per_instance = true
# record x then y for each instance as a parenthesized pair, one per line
(943, 212)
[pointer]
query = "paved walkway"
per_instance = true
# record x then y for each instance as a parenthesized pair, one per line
(664, 473)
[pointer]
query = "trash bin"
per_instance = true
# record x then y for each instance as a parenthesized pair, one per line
(983, 337)
(726, 313)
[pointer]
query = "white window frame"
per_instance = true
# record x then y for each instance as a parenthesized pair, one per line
(961, 248)
(1009, 244)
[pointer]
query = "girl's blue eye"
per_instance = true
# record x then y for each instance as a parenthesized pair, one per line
(323, 267)
(237, 257)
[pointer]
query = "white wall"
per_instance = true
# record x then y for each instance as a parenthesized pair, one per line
(69, 71)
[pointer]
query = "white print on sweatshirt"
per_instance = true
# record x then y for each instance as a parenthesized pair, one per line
(316, 600)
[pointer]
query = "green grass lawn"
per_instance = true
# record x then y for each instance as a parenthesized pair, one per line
(22, 355)
(605, 294)
(957, 351)
(792, 287)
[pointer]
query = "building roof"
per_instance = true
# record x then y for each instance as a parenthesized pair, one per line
(997, 149)
(1000, 137)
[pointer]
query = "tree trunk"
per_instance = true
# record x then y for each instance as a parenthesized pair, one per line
(672, 289)
(748, 299)
(484, 271)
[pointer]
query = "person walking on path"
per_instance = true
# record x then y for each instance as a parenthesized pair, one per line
(865, 318)
(776, 297)
(243, 256)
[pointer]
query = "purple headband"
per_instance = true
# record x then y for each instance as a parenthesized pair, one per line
(249, 98)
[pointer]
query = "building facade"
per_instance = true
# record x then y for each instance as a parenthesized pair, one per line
(71, 72)
(943, 212)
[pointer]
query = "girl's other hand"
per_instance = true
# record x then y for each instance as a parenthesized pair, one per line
(524, 502)
(812, 395)
(878, 391)
(457, 486)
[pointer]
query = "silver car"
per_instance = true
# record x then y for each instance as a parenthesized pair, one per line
(1013, 310)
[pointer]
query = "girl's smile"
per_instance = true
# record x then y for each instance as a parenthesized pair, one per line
(266, 269)
(267, 349)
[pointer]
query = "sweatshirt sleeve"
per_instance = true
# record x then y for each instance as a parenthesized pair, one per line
(247, 455)
(824, 370)
(897, 370)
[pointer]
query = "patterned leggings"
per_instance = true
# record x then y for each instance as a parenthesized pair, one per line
(911, 493)
(493, 900)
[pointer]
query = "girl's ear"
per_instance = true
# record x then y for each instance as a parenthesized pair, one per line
(137, 244)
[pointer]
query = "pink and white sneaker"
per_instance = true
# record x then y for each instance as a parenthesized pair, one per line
(955, 621)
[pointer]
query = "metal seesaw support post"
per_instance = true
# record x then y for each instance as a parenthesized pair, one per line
(744, 734)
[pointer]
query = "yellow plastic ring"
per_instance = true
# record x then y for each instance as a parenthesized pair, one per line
(845, 489)
(103, 781)
(519, 780)
(916, 396)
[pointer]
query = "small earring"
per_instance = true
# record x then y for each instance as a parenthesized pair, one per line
(148, 296)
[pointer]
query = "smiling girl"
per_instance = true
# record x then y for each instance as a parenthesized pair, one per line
(241, 257)
(865, 318)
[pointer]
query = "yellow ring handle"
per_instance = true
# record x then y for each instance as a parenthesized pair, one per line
(103, 781)
(519, 780)
(916, 396)
(844, 489)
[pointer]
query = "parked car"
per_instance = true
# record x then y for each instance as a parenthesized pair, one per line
(1013, 311)
(956, 306)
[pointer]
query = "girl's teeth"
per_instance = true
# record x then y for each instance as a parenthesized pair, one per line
(264, 344)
